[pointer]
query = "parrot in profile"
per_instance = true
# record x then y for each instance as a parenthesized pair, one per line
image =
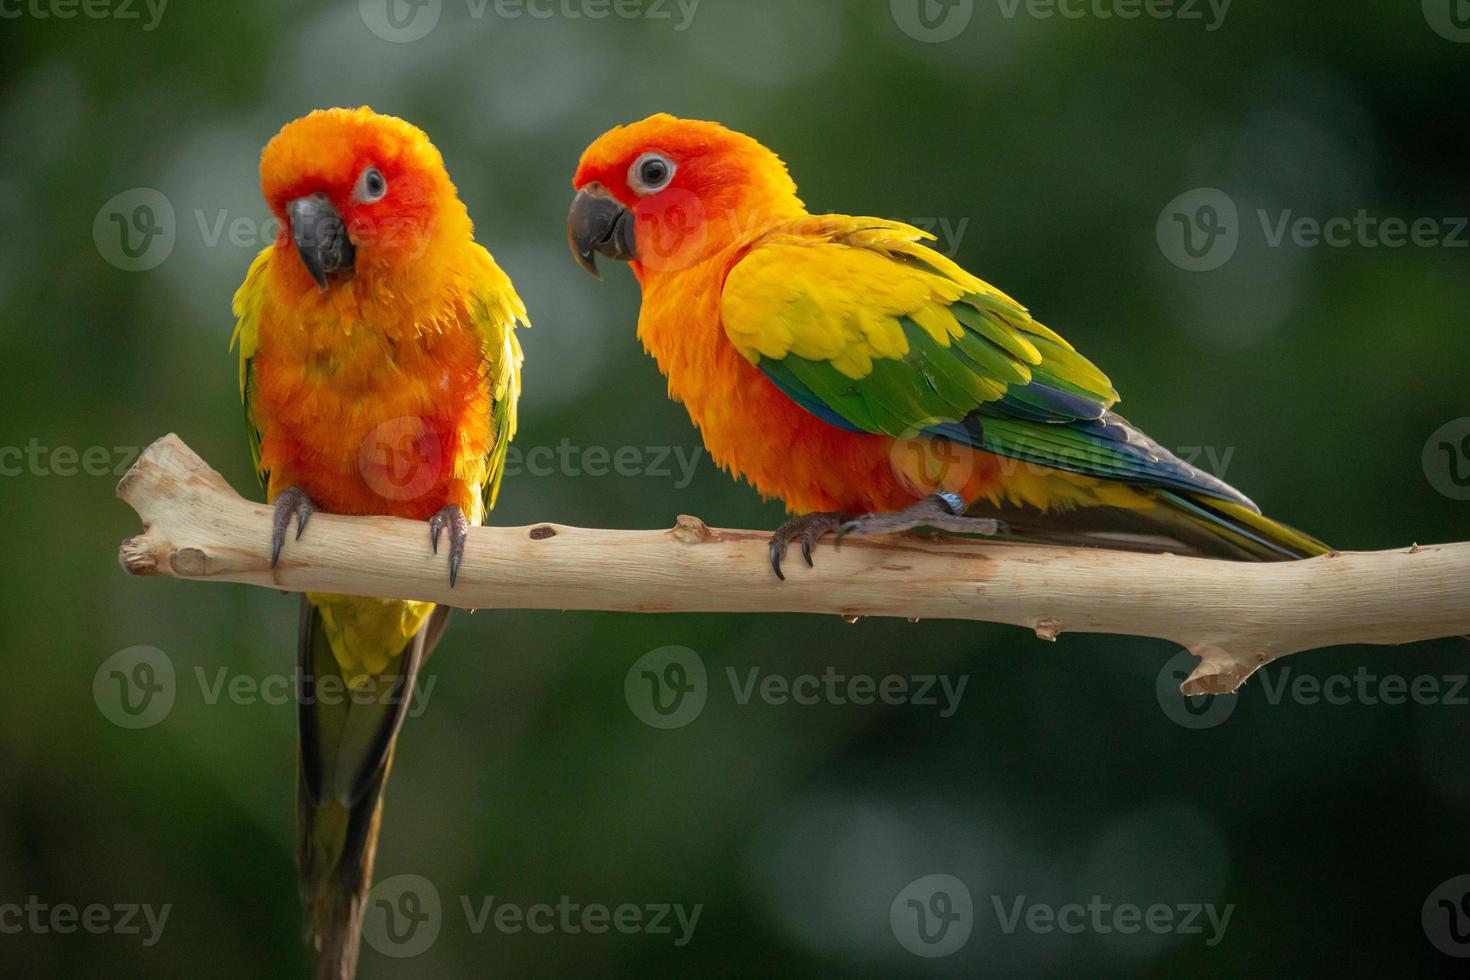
(871, 383)
(379, 370)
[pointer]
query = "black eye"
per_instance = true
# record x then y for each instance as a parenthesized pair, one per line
(651, 172)
(371, 186)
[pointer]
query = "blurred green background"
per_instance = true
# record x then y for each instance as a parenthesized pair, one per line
(1046, 152)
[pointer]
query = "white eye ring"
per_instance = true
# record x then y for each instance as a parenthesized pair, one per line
(371, 186)
(651, 173)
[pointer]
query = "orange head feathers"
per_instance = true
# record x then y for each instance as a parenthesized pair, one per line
(665, 192)
(361, 196)
(375, 307)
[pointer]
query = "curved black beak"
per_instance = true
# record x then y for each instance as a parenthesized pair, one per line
(320, 237)
(597, 223)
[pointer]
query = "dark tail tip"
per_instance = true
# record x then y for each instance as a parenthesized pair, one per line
(338, 934)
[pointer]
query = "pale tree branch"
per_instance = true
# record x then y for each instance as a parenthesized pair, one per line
(1235, 616)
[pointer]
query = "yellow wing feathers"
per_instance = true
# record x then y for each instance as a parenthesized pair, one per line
(834, 289)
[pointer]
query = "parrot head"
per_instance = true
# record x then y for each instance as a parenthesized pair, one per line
(664, 193)
(359, 196)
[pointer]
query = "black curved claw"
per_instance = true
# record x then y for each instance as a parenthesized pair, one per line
(809, 529)
(292, 500)
(459, 529)
(776, 549)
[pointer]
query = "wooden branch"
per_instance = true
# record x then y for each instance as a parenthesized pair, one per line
(1235, 616)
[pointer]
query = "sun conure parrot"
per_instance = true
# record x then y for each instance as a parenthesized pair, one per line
(841, 364)
(379, 370)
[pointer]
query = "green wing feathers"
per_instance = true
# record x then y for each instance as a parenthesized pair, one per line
(871, 330)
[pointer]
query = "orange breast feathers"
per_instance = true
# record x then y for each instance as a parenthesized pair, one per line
(372, 421)
(754, 430)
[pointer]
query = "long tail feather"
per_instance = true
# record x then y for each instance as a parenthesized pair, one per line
(1163, 521)
(346, 752)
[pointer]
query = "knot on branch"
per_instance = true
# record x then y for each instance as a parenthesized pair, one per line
(136, 557)
(691, 530)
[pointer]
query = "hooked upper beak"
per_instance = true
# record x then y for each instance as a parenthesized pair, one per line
(320, 237)
(598, 223)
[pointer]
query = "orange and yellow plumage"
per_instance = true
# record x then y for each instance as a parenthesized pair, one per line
(388, 388)
(842, 365)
